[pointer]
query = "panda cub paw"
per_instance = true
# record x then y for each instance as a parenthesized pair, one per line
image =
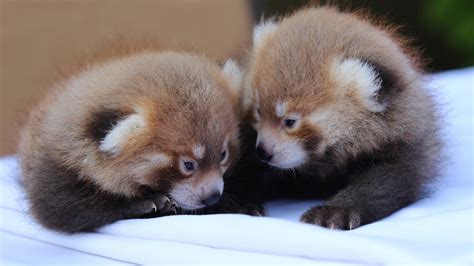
(252, 210)
(148, 208)
(166, 205)
(332, 217)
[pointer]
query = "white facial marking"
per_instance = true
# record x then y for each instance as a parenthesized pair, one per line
(188, 196)
(262, 31)
(184, 194)
(121, 133)
(354, 72)
(280, 109)
(233, 74)
(289, 154)
(199, 151)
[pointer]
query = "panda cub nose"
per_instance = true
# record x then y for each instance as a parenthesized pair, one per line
(213, 199)
(263, 155)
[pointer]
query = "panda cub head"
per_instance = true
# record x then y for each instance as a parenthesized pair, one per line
(328, 86)
(170, 127)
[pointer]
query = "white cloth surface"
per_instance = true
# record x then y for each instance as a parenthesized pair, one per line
(438, 229)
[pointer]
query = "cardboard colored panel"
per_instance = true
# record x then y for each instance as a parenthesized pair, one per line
(39, 36)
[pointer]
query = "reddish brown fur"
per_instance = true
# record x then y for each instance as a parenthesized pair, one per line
(177, 94)
(296, 63)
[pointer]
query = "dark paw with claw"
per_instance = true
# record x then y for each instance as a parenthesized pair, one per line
(252, 209)
(166, 206)
(142, 208)
(159, 206)
(333, 217)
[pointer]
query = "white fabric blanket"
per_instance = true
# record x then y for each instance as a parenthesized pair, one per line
(436, 230)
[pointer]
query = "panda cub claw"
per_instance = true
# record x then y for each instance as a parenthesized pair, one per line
(140, 209)
(160, 206)
(166, 205)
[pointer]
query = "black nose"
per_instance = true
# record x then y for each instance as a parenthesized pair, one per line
(263, 154)
(213, 199)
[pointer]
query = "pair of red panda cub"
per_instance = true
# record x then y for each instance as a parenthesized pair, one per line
(333, 100)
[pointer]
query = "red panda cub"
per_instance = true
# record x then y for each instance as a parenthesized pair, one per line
(341, 108)
(141, 134)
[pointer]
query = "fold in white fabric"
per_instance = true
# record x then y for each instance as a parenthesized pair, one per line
(438, 229)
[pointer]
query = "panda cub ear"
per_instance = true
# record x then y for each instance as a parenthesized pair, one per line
(115, 139)
(232, 74)
(263, 31)
(363, 78)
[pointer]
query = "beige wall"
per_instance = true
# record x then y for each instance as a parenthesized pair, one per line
(37, 36)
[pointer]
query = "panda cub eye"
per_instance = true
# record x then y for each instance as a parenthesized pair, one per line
(289, 123)
(187, 166)
(223, 155)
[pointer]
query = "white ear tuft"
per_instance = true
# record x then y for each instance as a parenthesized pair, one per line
(231, 72)
(351, 73)
(262, 31)
(115, 140)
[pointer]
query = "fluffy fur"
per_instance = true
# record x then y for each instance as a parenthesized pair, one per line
(339, 103)
(129, 136)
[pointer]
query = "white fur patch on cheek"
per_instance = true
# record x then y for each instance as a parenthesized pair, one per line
(354, 72)
(262, 31)
(184, 195)
(289, 155)
(189, 197)
(121, 133)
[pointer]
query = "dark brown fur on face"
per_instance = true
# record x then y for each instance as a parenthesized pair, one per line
(109, 142)
(365, 131)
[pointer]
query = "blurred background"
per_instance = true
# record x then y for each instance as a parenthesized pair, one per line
(36, 37)
(442, 29)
